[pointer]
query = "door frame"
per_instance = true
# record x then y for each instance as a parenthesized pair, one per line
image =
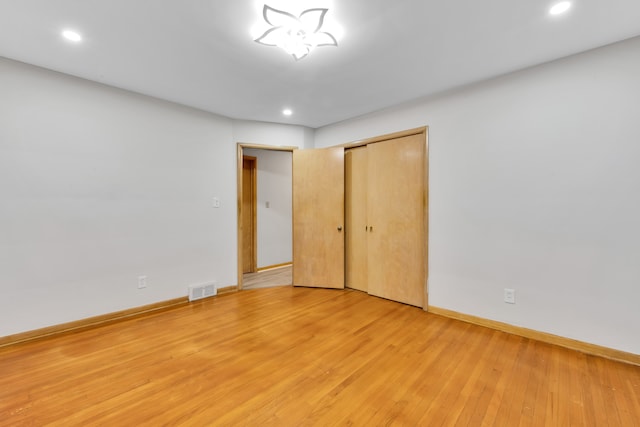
(240, 146)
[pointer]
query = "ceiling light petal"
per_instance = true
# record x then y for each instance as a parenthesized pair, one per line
(322, 39)
(301, 54)
(279, 18)
(312, 19)
(273, 36)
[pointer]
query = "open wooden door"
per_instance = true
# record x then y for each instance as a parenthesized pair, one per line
(318, 218)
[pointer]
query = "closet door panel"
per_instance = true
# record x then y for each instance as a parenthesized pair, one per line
(356, 218)
(396, 202)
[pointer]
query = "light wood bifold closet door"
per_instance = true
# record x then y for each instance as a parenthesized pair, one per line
(355, 217)
(377, 191)
(396, 219)
(318, 218)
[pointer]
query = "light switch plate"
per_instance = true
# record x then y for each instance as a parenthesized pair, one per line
(509, 296)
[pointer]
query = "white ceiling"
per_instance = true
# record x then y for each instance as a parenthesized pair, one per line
(200, 52)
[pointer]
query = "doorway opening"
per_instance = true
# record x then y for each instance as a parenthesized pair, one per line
(264, 175)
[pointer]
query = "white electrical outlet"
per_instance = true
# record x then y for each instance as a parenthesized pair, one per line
(216, 202)
(509, 296)
(142, 282)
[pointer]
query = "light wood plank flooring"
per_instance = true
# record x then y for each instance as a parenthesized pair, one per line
(278, 276)
(288, 356)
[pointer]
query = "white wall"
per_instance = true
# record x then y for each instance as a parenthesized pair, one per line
(100, 186)
(274, 183)
(273, 134)
(534, 185)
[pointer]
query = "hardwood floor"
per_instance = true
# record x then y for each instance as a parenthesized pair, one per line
(290, 356)
(268, 278)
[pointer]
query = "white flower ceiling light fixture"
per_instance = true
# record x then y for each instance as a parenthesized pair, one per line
(297, 35)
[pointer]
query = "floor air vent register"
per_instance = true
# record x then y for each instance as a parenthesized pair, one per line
(205, 290)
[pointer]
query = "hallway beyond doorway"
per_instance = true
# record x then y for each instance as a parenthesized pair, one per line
(278, 276)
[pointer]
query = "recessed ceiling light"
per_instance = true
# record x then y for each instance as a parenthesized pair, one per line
(287, 112)
(71, 36)
(560, 8)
